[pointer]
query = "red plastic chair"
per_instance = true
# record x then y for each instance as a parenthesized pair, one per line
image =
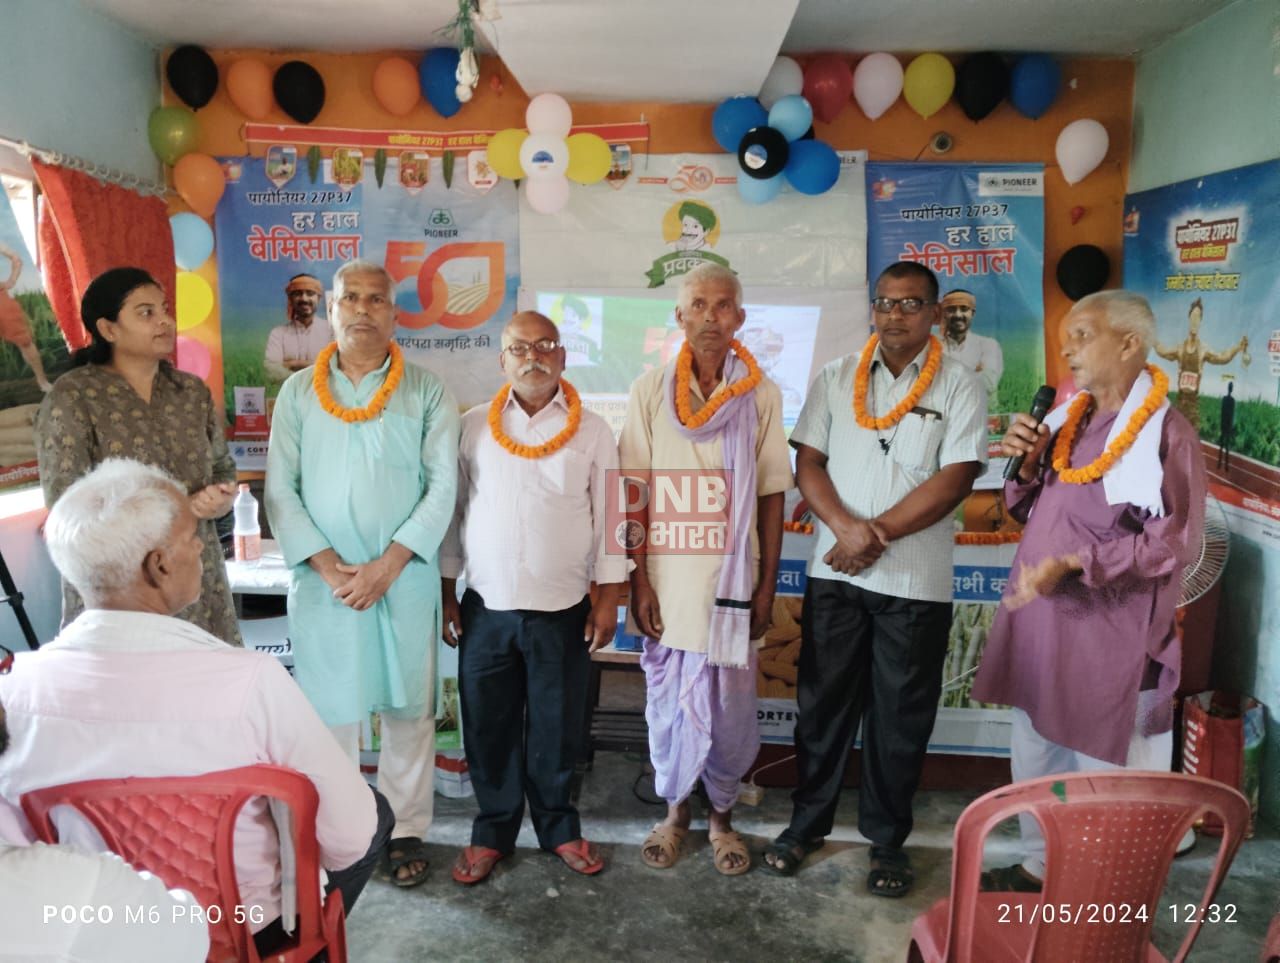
(180, 829)
(1271, 948)
(1109, 840)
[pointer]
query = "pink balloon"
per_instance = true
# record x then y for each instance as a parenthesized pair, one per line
(828, 83)
(548, 114)
(877, 83)
(547, 194)
(194, 357)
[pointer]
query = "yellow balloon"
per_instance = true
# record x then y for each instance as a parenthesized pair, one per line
(195, 300)
(589, 158)
(928, 83)
(504, 153)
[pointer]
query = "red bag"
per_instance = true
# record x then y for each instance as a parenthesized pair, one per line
(1222, 740)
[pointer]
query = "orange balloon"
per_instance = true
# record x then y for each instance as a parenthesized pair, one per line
(200, 182)
(249, 87)
(395, 85)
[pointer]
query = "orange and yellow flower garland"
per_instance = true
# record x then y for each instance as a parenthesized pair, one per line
(933, 361)
(684, 374)
(320, 381)
(1123, 441)
(546, 448)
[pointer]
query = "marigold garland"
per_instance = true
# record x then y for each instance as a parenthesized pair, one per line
(546, 448)
(1122, 442)
(320, 381)
(987, 538)
(684, 374)
(802, 528)
(933, 361)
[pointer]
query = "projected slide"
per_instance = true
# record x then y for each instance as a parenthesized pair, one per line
(611, 339)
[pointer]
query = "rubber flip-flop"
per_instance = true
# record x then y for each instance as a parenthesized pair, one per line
(472, 858)
(582, 849)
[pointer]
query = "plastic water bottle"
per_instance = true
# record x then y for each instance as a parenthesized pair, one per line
(246, 532)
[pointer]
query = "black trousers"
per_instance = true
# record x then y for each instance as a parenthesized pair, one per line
(522, 676)
(875, 659)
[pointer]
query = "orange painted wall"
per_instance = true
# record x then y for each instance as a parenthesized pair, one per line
(1101, 89)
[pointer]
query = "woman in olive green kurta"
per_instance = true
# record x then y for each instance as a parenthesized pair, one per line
(128, 401)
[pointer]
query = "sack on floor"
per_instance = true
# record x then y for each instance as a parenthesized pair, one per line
(1223, 736)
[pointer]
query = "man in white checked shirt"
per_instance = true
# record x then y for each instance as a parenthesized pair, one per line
(889, 442)
(530, 529)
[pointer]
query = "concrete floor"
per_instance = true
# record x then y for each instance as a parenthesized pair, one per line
(534, 909)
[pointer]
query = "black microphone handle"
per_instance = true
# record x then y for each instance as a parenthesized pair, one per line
(1040, 406)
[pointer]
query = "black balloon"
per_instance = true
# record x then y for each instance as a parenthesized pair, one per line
(981, 83)
(763, 153)
(1083, 270)
(299, 90)
(808, 134)
(192, 75)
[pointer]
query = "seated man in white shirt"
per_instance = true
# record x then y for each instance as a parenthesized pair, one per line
(530, 527)
(128, 690)
(64, 904)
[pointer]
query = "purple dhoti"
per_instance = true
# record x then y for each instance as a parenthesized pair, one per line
(702, 723)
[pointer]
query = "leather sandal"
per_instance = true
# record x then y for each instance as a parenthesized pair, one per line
(668, 840)
(727, 845)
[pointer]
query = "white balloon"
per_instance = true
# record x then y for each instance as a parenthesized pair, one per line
(463, 92)
(544, 155)
(785, 78)
(548, 114)
(1082, 145)
(877, 83)
(547, 193)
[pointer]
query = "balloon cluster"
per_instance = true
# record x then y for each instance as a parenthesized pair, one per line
(772, 134)
(398, 85)
(546, 156)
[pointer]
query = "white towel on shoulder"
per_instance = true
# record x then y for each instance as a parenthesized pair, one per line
(1136, 478)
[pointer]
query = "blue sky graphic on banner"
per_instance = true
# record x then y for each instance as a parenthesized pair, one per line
(979, 228)
(1204, 253)
(452, 250)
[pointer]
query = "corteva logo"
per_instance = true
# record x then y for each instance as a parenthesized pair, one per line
(669, 512)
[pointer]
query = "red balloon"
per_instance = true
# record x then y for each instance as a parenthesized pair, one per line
(828, 84)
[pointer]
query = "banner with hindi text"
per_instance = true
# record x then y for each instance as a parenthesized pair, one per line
(451, 247)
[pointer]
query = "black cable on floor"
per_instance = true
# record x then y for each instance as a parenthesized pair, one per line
(635, 791)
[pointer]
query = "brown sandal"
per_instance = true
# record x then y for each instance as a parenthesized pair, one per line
(726, 845)
(668, 840)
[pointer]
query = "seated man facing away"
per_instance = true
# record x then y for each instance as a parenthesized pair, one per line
(128, 690)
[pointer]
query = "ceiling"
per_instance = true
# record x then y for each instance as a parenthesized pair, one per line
(692, 51)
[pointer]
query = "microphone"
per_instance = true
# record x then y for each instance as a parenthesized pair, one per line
(1040, 406)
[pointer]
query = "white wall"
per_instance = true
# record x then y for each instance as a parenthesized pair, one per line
(74, 81)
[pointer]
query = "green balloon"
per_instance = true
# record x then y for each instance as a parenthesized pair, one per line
(172, 132)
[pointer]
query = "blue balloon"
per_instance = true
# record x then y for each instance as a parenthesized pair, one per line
(753, 190)
(733, 118)
(192, 240)
(1033, 85)
(438, 77)
(813, 167)
(792, 116)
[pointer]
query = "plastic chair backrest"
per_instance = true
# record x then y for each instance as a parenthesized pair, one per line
(181, 829)
(1109, 840)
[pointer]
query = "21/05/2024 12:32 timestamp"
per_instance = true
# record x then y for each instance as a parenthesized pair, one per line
(1109, 913)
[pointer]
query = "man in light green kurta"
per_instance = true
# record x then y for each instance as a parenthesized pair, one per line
(359, 506)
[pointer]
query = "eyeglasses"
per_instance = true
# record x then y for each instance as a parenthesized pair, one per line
(520, 349)
(908, 305)
(6, 659)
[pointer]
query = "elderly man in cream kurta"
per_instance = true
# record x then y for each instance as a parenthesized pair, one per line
(710, 410)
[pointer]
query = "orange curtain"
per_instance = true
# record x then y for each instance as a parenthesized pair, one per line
(87, 227)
